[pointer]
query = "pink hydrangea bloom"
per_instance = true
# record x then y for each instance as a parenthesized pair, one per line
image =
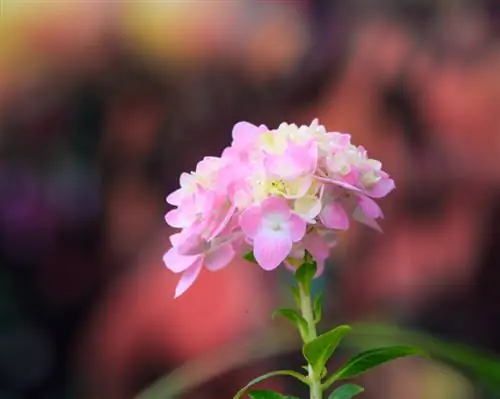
(277, 192)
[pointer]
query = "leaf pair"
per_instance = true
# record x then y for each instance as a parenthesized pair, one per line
(320, 350)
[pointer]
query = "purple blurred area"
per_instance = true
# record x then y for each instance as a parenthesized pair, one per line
(104, 104)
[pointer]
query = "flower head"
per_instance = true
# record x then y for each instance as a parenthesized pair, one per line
(278, 192)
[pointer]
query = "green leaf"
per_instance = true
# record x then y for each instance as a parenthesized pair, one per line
(319, 350)
(483, 366)
(263, 377)
(367, 360)
(265, 395)
(305, 274)
(249, 256)
(296, 295)
(346, 391)
(318, 307)
(290, 397)
(294, 317)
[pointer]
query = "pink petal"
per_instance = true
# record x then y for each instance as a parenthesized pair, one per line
(320, 265)
(276, 206)
(351, 179)
(176, 239)
(175, 198)
(271, 248)
(178, 263)
(241, 246)
(179, 218)
(207, 165)
(219, 258)
(383, 187)
(223, 222)
(338, 183)
(297, 227)
(362, 218)
(187, 179)
(205, 201)
(334, 216)
(296, 160)
(251, 221)
(317, 246)
(369, 207)
(188, 278)
(244, 133)
(192, 245)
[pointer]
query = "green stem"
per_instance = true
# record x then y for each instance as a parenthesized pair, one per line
(308, 315)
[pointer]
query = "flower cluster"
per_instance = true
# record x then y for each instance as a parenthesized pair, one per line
(278, 193)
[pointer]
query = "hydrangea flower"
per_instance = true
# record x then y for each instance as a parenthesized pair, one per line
(278, 192)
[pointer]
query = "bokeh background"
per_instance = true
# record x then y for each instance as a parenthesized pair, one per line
(104, 103)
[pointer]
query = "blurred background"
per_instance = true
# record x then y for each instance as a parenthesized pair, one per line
(104, 103)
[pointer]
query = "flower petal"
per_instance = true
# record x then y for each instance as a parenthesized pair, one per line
(223, 221)
(297, 227)
(338, 183)
(178, 263)
(383, 187)
(179, 218)
(219, 258)
(271, 248)
(317, 246)
(188, 278)
(275, 205)
(251, 221)
(369, 207)
(192, 244)
(334, 216)
(244, 133)
(176, 239)
(362, 218)
(308, 207)
(320, 268)
(175, 198)
(298, 187)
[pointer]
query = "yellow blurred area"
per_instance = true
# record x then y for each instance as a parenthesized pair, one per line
(40, 35)
(177, 29)
(46, 36)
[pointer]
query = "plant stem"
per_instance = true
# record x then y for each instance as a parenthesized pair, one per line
(308, 315)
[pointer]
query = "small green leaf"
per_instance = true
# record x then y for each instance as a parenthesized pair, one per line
(263, 377)
(346, 391)
(318, 351)
(265, 395)
(372, 358)
(294, 317)
(249, 256)
(296, 295)
(305, 274)
(318, 307)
